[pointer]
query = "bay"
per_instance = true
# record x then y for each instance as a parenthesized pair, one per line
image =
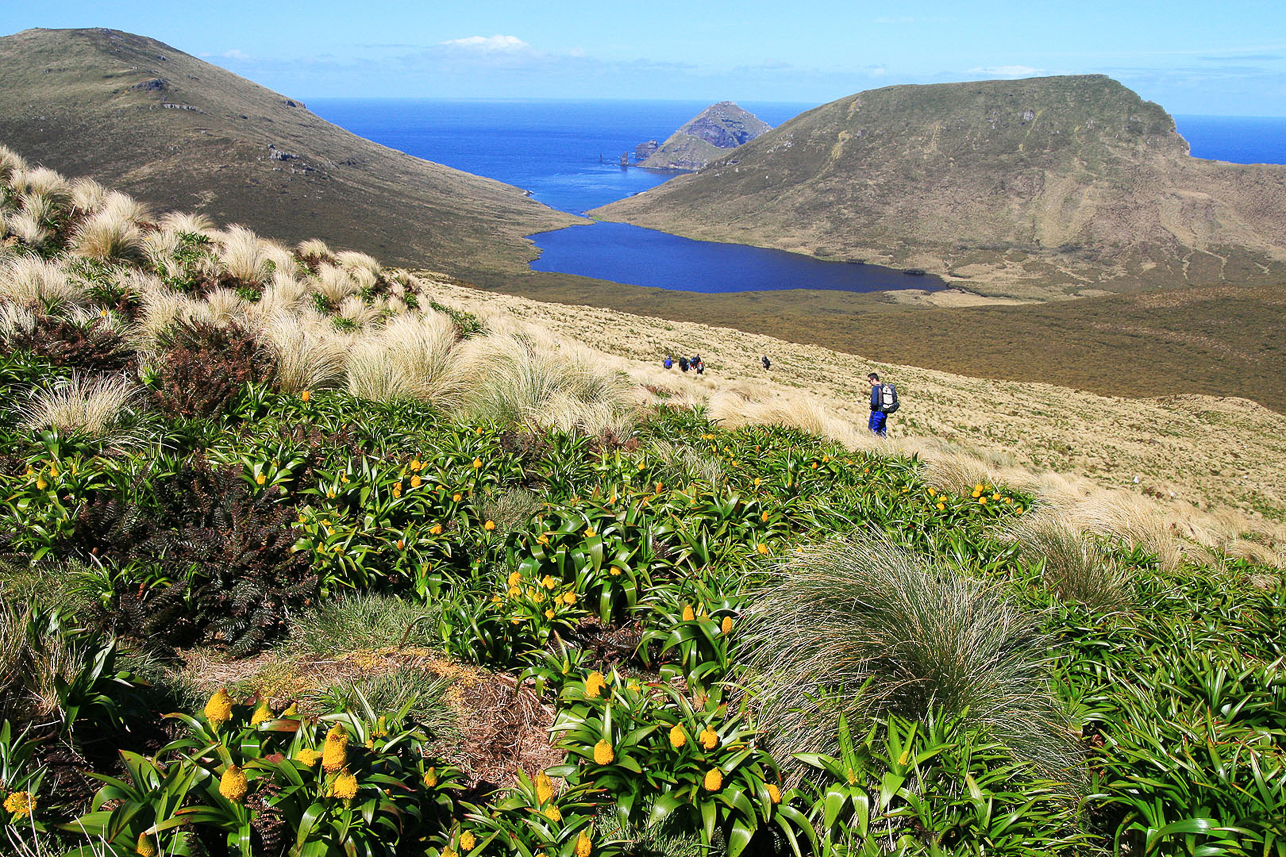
(566, 154)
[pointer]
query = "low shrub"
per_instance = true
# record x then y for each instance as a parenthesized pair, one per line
(204, 368)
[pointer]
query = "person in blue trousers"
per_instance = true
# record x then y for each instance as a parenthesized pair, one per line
(879, 419)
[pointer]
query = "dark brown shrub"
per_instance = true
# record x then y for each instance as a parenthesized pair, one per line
(92, 347)
(205, 367)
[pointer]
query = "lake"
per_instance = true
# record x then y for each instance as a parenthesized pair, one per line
(566, 154)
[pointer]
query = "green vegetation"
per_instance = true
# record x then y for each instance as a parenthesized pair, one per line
(748, 642)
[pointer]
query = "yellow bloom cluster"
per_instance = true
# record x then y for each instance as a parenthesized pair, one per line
(146, 846)
(467, 841)
(708, 738)
(688, 615)
(583, 845)
(544, 787)
(594, 685)
(307, 757)
(431, 778)
(19, 803)
(774, 793)
(726, 625)
(233, 784)
(713, 780)
(603, 753)
(335, 753)
(553, 813)
(219, 708)
(262, 714)
(677, 736)
(344, 786)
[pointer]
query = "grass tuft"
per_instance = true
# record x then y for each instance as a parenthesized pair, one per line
(82, 403)
(1072, 564)
(864, 628)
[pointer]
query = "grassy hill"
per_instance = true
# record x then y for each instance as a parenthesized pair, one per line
(301, 555)
(183, 134)
(1046, 187)
(705, 137)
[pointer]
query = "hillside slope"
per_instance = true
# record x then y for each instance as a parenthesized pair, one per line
(707, 137)
(1037, 188)
(181, 133)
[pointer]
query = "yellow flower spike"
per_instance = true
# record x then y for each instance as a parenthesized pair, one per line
(614, 571)
(942, 507)
(1018, 509)
(763, 516)
(774, 793)
(514, 578)
(548, 582)
(401, 545)
(478, 431)
(549, 614)
(233, 784)
(146, 845)
(677, 736)
(344, 787)
(726, 625)
(477, 462)
(544, 787)
(542, 539)
(397, 488)
(261, 479)
(219, 708)
(538, 597)
(431, 778)
(435, 530)
(417, 465)
(416, 481)
(757, 483)
(467, 841)
(457, 497)
(594, 685)
(589, 532)
(584, 845)
(489, 526)
(262, 714)
(20, 803)
(449, 852)
(514, 592)
(330, 495)
(569, 598)
(659, 486)
(708, 738)
(688, 615)
(603, 753)
(335, 752)
(307, 757)
(53, 469)
(305, 395)
(292, 710)
(982, 501)
(713, 780)
(762, 548)
(496, 599)
(553, 813)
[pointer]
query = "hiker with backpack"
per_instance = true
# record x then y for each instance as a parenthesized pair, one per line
(884, 401)
(668, 362)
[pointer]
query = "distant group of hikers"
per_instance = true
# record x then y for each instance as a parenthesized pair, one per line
(884, 397)
(696, 364)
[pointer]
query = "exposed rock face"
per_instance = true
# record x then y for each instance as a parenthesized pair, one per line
(707, 136)
(643, 151)
(1043, 187)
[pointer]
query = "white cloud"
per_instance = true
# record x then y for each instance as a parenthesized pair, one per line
(488, 44)
(1008, 71)
(235, 54)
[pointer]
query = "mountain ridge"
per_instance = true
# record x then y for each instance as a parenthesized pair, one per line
(707, 137)
(1036, 188)
(180, 133)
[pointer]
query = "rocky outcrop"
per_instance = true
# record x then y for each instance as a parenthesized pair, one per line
(707, 136)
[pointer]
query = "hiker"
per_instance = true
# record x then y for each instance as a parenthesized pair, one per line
(668, 362)
(884, 401)
(696, 364)
(767, 363)
(683, 363)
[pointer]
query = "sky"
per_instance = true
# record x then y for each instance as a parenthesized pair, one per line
(1224, 58)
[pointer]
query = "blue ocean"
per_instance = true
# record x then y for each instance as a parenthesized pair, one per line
(567, 155)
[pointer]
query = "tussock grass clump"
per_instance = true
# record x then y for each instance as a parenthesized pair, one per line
(517, 381)
(412, 356)
(37, 284)
(362, 622)
(82, 403)
(110, 235)
(241, 256)
(1072, 564)
(309, 353)
(864, 628)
